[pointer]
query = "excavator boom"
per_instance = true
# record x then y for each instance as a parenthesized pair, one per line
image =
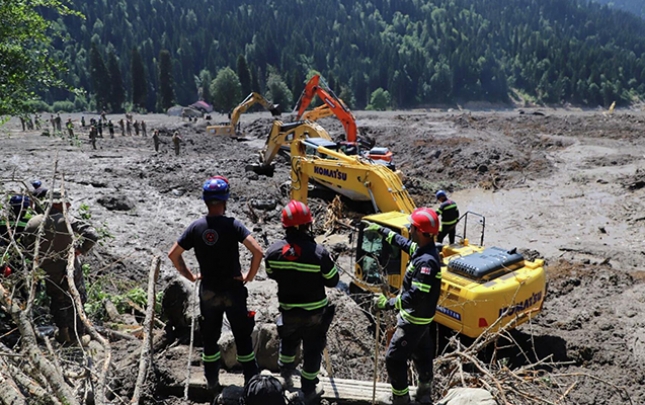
(335, 104)
(248, 102)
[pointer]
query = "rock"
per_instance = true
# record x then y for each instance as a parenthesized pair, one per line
(637, 346)
(116, 203)
(177, 306)
(264, 204)
(266, 344)
(178, 192)
(467, 396)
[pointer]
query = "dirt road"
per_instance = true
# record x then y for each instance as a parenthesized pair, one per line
(568, 185)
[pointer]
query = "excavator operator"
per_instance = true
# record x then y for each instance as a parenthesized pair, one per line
(416, 304)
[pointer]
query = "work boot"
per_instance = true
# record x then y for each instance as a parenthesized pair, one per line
(211, 372)
(424, 393)
(313, 397)
(286, 375)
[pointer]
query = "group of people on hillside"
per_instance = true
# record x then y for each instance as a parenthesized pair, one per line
(301, 267)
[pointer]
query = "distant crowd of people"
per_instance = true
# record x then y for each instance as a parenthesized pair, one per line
(96, 126)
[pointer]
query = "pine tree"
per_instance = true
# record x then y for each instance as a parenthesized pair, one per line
(205, 80)
(100, 78)
(244, 75)
(139, 86)
(117, 91)
(255, 81)
(166, 96)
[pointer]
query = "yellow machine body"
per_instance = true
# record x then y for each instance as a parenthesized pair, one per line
(469, 303)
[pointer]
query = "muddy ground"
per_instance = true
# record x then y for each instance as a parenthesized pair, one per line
(565, 185)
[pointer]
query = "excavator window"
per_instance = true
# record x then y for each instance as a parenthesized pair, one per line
(376, 257)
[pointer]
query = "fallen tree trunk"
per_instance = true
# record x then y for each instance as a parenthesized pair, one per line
(146, 350)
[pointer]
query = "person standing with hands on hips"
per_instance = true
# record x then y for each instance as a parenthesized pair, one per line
(215, 238)
(416, 304)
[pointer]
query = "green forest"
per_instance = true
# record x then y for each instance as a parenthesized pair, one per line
(149, 54)
(633, 6)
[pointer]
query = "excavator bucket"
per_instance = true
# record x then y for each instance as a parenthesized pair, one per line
(264, 170)
(275, 110)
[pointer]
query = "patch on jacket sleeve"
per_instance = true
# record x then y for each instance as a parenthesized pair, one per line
(426, 270)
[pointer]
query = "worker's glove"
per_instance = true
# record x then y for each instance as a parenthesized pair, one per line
(371, 226)
(382, 303)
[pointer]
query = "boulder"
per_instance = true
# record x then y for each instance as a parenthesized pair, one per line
(178, 308)
(266, 344)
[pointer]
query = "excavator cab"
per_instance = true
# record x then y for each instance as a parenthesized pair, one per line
(482, 289)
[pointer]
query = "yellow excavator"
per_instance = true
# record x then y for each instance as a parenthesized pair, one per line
(482, 289)
(318, 113)
(250, 100)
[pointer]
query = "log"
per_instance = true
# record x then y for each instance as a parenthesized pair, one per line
(99, 395)
(146, 351)
(53, 376)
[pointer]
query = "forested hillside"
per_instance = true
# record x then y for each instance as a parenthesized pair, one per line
(422, 52)
(633, 6)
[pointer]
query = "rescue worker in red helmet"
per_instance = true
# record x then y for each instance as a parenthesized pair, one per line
(302, 269)
(216, 240)
(416, 304)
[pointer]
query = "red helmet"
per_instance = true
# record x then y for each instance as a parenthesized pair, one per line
(295, 214)
(426, 220)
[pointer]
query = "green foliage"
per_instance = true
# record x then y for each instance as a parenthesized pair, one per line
(80, 103)
(117, 91)
(204, 85)
(226, 90)
(97, 295)
(63, 106)
(166, 83)
(379, 100)
(244, 74)
(37, 106)
(347, 95)
(25, 57)
(278, 92)
(84, 211)
(100, 78)
(444, 51)
(138, 75)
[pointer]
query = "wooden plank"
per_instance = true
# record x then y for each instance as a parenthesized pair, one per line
(336, 389)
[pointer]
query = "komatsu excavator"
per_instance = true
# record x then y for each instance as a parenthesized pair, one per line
(250, 100)
(316, 86)
(482, 289)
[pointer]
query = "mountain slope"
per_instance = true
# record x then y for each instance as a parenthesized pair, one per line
(422, 52)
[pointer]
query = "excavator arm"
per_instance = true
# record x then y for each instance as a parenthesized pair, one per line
(351, 176)
(248, 102)
(335, 104)
(284, 134)
(320, 112)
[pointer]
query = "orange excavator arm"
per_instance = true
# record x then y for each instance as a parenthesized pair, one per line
(335, 104)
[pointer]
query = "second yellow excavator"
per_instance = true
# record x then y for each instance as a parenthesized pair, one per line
(482, 289)
(230, 128)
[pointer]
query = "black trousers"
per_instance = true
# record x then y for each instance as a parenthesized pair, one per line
(310, 328)
(447, 230)
(213, 306)
(414, 342)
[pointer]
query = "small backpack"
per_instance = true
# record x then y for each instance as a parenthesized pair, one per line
(264, 389)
